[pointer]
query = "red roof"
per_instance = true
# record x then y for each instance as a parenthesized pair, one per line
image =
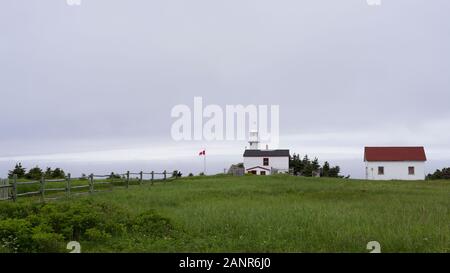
(394, 154)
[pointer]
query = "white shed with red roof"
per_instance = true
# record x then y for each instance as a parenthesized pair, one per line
(395, 163)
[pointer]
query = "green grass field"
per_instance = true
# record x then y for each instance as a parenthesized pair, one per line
(280, 214)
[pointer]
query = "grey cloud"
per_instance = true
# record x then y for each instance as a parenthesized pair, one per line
(108, 72)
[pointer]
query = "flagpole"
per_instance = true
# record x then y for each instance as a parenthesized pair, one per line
(204, 162)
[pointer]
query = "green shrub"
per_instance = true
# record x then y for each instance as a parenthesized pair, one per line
(47, 242)
(15, 210)
(15, 235)
(48, 227)
(151, 224)
(4, 250)
(94, 234)
(44, 228)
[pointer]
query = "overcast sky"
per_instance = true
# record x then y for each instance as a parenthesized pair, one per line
(91, 87)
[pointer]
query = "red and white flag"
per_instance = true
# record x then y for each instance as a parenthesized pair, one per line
(202, 153)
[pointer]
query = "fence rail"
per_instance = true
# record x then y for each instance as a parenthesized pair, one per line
(28, 182)
(9, 188)
(28, 193)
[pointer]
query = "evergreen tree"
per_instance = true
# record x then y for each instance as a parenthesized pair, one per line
(18, 170)
(48, 173)
(306, 167)
(334, 172)
(315, 166)
(34, 173)
(58, 173)
(296, 164)
(440, 174)
(325, 171)
(306, 161)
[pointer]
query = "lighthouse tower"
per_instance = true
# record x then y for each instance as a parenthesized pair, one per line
(254, 140)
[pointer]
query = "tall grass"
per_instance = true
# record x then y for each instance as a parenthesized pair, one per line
(286, 214)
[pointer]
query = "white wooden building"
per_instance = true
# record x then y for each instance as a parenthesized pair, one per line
(395, 163)
(264, 162)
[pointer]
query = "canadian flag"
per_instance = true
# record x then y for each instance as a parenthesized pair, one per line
(202, 153)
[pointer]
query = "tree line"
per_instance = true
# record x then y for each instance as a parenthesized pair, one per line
(439, 174)
(36, 173)
(307, 167)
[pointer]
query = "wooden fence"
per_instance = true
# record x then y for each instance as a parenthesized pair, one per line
(4, 189)
(9, 189)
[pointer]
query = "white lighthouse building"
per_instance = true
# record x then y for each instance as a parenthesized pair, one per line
(254, 140)
(264, 162)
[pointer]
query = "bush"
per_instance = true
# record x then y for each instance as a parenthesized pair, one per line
(44, 228)
(15, 235)
(34, 173)
(176, 174)
(151, 224)
(48, 227)
(47, 241)
(94, 234)
(14, 210)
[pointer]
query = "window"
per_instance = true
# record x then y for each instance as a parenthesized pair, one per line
(252, 172)
(411, 170)
(380, 170)
(265, 161)
(263, 173)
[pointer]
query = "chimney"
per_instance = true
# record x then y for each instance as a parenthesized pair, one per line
(267, 147)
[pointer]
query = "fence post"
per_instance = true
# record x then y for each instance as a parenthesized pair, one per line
(68, 185)
(153, 176)
(14, 189)
(42, 182)
(91, 183)
(128, 178)
(165, 175)
(141, 174)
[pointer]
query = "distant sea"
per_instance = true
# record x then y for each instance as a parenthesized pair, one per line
(214, 164)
